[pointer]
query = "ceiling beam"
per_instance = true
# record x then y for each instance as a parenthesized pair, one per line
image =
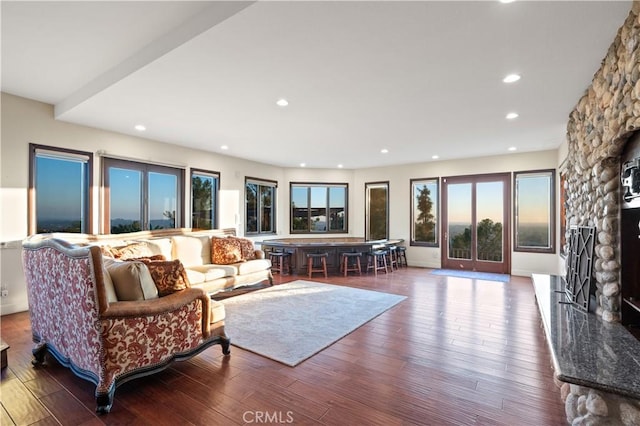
(201, 22)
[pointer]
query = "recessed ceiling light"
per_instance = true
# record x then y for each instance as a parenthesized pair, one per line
(140, 127)
(340, 166)
(511, 115)
(303, 164)
(512, 148)
(435, 157)
(507, 1)
(384, 150)
(511, 78)
(282, 102)
(224, 147)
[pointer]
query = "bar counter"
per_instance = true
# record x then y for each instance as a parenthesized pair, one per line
(333, 246)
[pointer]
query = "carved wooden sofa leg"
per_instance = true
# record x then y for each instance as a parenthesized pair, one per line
(225, 342)
(104, 401)
(39, 351)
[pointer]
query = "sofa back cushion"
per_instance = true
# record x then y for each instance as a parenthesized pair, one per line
(131, 280)
(160, 246)
(130, 250)
(191, 250)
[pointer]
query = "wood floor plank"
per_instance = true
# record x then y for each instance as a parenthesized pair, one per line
(5, 418)
(21, 405)
(67, 409)
(455, 352)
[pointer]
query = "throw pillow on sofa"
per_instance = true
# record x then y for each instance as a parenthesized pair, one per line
(246, 248)
(169, 276)
(131, 280)
(225, 251)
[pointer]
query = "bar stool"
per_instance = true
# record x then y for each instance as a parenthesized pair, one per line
(280, 262)
(402, 257)
(377, 260)
(349, 265)
(312, 265)
(392, 257)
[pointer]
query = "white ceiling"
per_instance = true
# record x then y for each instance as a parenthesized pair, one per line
(418, 78)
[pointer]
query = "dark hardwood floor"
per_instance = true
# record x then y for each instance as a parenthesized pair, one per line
(455, 352)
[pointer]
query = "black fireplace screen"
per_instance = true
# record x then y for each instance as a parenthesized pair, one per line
(579, 265)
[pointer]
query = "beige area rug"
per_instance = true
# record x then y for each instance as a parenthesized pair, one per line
(291, 322)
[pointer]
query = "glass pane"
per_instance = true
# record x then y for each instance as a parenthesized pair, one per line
(299, 208)
(125, 190)
(61, 195)
(425, 212)
(318, 208)
(337, 204)
(163, 200)
(489, 214)
(266, 197)
(252, 207)
(459, 222)
(533, 218)
(203, 189)
(377, 210)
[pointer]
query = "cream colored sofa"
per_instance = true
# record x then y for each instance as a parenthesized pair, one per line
(194, 249)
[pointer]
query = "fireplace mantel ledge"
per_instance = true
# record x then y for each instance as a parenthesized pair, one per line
(586, 350)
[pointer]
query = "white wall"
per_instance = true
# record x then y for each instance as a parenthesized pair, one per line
(399, 190)
(25, 121)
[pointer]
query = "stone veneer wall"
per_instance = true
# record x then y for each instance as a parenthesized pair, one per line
(598, 130)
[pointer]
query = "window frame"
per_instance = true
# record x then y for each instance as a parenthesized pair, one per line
(551, 249)
(412, 187)
(248, 180)
(564, 246)
(145, 168)
(367, 208)
(328, 186)
(216, 202)
(32, 225)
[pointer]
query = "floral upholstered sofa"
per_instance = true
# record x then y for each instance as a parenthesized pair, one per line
(111, 320)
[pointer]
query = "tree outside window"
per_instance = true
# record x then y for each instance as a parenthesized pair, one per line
(424, 212)
(204, 199)
(377, 210)
(260, 197)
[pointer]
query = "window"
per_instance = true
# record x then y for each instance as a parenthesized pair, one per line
(318, 208)
(141, 196)
(377, 210)
(260, 201)
(59, 190)
(424, 212)
(204, 199)
(534, 211)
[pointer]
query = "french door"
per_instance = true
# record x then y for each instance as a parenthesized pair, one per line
(475, 223)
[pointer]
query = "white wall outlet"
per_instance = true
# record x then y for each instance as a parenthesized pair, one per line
(4, 292)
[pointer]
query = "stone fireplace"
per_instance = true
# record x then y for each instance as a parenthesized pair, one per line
(602, 134)
(598, 130)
